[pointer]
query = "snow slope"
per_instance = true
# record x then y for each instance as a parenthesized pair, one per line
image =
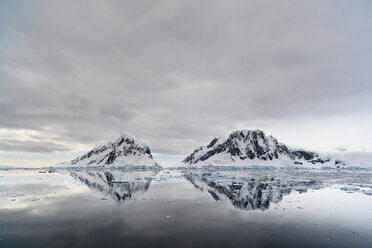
(352, 159)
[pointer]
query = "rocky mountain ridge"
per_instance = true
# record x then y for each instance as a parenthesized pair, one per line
(249, 146)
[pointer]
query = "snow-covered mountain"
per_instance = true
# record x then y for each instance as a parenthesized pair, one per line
(126, 151)
(253, 147)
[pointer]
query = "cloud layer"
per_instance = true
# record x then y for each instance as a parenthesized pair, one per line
(177, 73)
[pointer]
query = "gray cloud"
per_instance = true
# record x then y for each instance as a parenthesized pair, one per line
(177, 73)
(31, 146)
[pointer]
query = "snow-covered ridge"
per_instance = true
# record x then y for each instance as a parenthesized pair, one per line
(253, 147)
(127, 150)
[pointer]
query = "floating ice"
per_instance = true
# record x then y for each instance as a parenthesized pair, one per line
(367, 192)
(301, 189)
(349, 188)
(316, 187)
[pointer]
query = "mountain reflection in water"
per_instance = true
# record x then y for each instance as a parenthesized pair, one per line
(247, 193)
(119, 185)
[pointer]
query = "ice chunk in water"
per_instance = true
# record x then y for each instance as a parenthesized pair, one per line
(349, 188)
(367, 192)
(301, 189)
(316, 187)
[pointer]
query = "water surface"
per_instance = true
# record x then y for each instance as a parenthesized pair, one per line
(256, 208)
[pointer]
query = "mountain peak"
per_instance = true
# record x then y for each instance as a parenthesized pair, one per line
(126, 150)
(127, 136)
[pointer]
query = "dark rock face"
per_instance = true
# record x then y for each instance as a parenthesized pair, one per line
(247, 144)
(123, 146)
(304, 154)
(212, 143)
(339, 162)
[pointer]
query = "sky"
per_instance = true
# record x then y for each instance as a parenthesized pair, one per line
(75, 74)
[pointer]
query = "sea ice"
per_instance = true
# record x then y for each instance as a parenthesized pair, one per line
(349, 188)
(367, 192)
(301, 189)
(316, 187)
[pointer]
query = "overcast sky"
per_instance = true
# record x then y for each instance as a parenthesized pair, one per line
(75, 74)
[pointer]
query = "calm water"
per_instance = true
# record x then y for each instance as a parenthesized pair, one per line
(255, 208)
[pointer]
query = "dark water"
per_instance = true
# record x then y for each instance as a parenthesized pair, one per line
(256, 208)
